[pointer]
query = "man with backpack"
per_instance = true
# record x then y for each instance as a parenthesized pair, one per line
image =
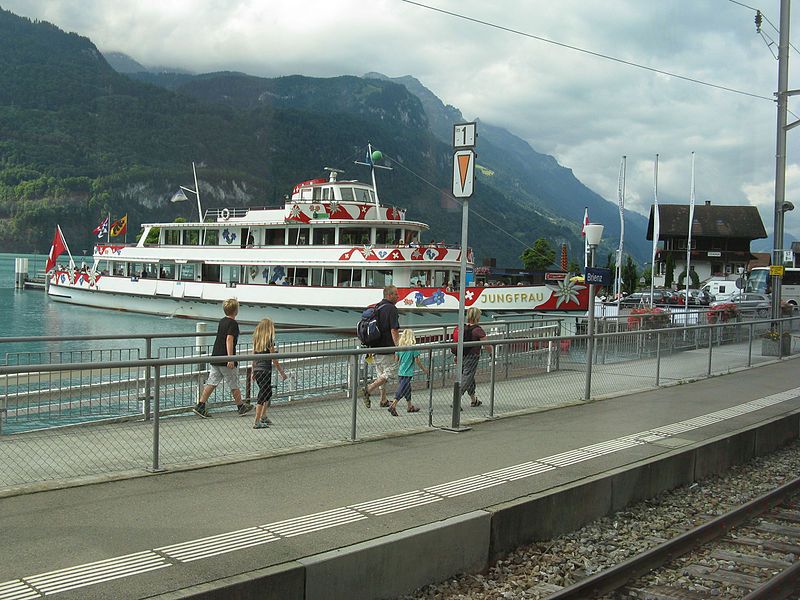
(387, 320)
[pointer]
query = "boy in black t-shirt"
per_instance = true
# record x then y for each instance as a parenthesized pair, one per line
(224, 345)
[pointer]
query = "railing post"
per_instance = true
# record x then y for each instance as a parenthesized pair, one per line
(156, 467)
(148, 349)
(506, 352)
(750, 344)
(354, 395)
(430, 388)
(710, 347)
(493, 380)
(658, 358)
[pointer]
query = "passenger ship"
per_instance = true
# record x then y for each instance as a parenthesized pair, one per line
(318, 261)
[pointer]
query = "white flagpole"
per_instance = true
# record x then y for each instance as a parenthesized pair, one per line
(656, 229)
(66, 247)
(108, 228)
(689, 240)
(621, 198)
(197, 193)
(585, 241)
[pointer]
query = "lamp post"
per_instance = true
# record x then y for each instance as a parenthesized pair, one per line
(594, 232)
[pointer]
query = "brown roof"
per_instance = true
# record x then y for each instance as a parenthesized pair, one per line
(709, 221)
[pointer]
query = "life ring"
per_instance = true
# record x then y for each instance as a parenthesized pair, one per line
(225, 214)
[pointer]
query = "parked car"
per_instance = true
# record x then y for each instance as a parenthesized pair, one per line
(760, 304)
(696, 297)
(643, 298)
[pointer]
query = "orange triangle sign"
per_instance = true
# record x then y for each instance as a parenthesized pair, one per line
(463, 167)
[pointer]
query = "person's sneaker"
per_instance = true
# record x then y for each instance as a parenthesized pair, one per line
(201, 410)
(266, 420)
(365, 397)
(244, 408)
(260, 425)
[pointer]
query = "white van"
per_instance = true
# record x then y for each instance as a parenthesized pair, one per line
(721, 289)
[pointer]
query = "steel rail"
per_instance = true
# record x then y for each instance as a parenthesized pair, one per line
(617, 576)
(783, 585)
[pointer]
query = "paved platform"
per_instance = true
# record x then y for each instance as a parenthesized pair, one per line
(348, 521)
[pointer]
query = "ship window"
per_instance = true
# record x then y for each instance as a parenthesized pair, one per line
(348, 278)
(274, 237)
(306, 193)
(166, 270)
(172, 237)
(324, 236)
(257, 274)
(381, 236)
(230, 273)
(299, 236)
(149, 270)
(347, 193)
(246, 238)
(362, 195)
(187, 272)
(379, 277)
(317, 193)
(211, 272)
(322, 277)
(395, 236)
(354, 237)
(297, 276)
(420, 278)
(327, 193)
(440, 278)
(211, 237)
(191, 237)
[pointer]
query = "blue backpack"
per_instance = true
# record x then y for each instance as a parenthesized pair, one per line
(367, 328)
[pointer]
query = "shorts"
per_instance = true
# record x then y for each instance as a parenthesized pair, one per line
(219, 373)
(386, 367)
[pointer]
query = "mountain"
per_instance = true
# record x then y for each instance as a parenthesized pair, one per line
(122, 63)
(81, 140)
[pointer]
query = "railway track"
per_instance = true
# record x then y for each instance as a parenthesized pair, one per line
(753, 551)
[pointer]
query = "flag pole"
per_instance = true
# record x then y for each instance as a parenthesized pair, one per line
(66, 247)
(621, 197)
(656, 229)
(689, 241)
(197, 193)
(108, 228)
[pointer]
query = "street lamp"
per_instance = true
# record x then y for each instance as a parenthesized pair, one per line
(594, 232)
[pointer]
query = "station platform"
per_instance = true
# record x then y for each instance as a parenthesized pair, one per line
(381, 518)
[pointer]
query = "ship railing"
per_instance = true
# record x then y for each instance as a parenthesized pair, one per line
(110, 412)
(213, 214)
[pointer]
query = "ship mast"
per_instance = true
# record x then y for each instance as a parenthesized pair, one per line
(370, 162)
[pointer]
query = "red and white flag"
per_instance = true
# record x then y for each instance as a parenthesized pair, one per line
(56, 250)
(585, 221)
(101, 229)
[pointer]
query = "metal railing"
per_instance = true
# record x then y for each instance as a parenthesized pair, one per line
(68, 415)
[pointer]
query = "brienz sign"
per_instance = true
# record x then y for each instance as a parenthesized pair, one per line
(597, 276)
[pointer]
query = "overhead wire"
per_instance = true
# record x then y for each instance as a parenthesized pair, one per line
(586, 51)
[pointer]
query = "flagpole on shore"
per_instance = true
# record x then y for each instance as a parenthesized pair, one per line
(656, 230)
(689, 241)
(583, 235)
(621, 198)
(108, 228)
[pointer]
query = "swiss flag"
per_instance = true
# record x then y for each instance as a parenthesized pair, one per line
(56, 250)
(585, 222)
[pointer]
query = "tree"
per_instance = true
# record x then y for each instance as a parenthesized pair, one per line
(574, 267)
(540, 257)
(669, 275)
(630, 276)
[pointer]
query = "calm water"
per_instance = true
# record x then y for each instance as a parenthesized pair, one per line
(32, 313)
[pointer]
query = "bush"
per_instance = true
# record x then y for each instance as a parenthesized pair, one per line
(723, 313)
(648, 318)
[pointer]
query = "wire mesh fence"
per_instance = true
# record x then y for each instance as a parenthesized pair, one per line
(73, 414)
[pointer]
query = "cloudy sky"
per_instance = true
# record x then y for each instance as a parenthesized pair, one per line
(585, 110)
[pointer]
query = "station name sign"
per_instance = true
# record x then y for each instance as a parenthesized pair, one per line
(597, 276)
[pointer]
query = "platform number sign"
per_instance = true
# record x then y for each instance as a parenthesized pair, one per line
(464, 135)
